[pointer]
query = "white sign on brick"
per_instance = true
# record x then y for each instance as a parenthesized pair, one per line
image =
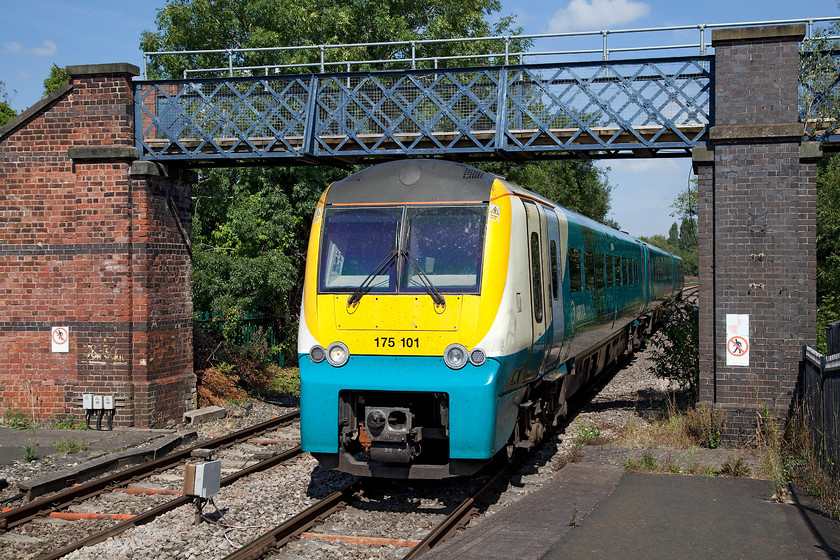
(737, 340)
(60, 338)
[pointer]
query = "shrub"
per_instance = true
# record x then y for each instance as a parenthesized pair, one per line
(18, 419)
(675, 353)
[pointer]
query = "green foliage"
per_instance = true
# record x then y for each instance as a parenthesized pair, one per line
(576, 184)
(588, 432)
(675, 353)
(734, 468)
(17, 419)
(69, 446)
(6, 111)
(29, 453)
(218, 24)
(57, 78)
(69, 422)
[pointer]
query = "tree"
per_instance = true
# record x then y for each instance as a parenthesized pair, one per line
(57, 78)
(6, 111)
(238, 24)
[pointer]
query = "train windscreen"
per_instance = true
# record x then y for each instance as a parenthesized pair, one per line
(400, 249)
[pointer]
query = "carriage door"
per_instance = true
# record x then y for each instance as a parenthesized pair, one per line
(540, 305)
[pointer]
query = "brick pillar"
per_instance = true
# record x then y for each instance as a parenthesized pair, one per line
(89, 240)
(757, 222)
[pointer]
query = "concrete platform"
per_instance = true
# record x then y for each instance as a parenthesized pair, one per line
(599, 511)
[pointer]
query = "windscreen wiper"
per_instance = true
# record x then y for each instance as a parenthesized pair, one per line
(365, 286)
(427, 282)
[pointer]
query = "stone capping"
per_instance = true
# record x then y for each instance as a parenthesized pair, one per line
(84, 153)
(810, 150)
(81, 70)
(34, 110)
(702, 154)
(145, 168)
(794, 32)
(773, 131)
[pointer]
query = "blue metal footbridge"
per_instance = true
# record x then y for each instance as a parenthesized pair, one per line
(498, 104)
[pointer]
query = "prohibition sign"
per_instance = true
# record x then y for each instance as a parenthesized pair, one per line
(737, 346)
(59, 335)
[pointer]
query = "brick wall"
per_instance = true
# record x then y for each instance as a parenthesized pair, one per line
(88, 240)
(757, 222)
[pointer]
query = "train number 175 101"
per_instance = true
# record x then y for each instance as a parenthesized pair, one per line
(391, 342)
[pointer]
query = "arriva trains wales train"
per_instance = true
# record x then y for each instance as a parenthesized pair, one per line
(448, 315)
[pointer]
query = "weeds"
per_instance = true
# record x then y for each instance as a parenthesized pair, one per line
(18, 419)
(29, 453)
(69, 422)
(734, 468)
(676, 354)
(705, 424)
(69, 446)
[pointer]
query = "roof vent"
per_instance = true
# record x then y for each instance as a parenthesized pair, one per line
(472, 173)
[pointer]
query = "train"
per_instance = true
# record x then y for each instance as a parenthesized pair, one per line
(448, 316)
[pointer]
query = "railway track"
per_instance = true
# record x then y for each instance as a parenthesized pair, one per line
(318, 515)
(52, 506)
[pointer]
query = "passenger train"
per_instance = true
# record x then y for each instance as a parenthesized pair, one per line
(448, 315)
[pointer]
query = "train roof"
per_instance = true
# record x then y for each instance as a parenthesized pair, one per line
(413, 181)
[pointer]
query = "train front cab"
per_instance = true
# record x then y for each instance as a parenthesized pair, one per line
(399, 292)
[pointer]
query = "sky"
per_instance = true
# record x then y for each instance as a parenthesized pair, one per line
(40, 33)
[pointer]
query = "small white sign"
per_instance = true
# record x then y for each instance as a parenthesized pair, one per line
(60, 337)
(737, 340)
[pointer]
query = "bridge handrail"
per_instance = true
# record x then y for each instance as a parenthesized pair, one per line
(605, 50)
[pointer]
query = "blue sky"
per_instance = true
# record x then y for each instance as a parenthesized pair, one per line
(38, 33)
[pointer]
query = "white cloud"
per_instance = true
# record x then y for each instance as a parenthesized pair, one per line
(46, 49)
(596, 15)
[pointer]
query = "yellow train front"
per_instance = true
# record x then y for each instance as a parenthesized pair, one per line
(432, 331)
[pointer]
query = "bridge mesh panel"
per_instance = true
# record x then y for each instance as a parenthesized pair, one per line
(596, 106)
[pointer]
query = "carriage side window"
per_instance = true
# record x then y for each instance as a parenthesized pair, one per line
(599, 271)
(574, 270)
(589, 269)
(536, 276)
(609, 269)
(617, 270)
(555, 272)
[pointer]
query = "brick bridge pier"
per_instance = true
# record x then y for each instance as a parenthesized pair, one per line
(757, 227)
(95, 240)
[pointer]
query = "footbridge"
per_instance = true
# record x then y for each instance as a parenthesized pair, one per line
(96, 179)
(500, 103)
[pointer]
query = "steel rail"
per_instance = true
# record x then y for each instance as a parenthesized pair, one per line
(459, 517)
(282, 534)
(42, 506)
(151, 514)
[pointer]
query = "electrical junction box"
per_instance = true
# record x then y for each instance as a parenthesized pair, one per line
(87, 401)
(97, 402)
(202, 479)
(108, 402)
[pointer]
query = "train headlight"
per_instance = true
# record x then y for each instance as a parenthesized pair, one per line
(477, 356)
(317, 354)
(455, 356)
(337, 354)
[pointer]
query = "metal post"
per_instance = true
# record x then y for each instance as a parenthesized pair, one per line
(507, 49)
(321, 47)
(606, 55)
(413, 55)
(832, 337)
(230, 62)
(702, 40)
